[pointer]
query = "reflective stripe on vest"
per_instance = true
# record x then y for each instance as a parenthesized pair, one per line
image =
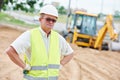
(50, 66)
(40, 78)
(44, 66)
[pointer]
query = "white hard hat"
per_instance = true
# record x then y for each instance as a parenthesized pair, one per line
(49, 9)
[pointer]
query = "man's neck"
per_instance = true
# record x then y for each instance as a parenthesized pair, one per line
(47, 31)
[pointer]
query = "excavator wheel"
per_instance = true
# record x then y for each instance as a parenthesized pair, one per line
(69, 37)
(105, 46)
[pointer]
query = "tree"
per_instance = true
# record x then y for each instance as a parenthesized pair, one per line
(24, 5)
(117, 13)
(11, 1)
(1, 4)
(31, 4)
(5, 3)
(20, 6)
(41, 4)
(101, 15)
(61, 10)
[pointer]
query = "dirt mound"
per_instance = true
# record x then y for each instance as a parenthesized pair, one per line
(87, 64)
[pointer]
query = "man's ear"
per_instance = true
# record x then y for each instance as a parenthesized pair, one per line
(40, 19)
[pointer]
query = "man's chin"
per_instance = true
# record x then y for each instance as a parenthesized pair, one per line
(50, 27)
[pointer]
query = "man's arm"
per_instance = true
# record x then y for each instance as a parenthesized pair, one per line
(15, 57)
(66, 59)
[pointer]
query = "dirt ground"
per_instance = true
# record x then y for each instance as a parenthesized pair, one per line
(87, 64)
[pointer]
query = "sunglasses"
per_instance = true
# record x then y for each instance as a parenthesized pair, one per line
(49, 19)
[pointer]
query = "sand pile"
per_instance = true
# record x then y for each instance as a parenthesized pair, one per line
(89, 64)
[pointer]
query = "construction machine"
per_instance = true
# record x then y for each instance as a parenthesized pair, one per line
(83, 30)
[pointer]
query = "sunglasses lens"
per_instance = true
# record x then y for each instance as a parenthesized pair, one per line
(53, 20)
(48, 19)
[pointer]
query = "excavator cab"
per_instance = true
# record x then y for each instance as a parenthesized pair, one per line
(82, 29)
(85, 23)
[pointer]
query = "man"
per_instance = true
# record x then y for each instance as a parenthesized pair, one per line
(42, 47)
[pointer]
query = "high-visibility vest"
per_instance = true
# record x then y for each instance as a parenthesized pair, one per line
(43, 66)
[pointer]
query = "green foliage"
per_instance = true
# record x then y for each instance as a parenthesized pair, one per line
(100, 15)
(31, 10)
(11, 1)
(61, 10)
(6, 1)
(41, 4)
(1, 3)
(18, 6)
(117, 14)
(21, 7)
(31, 3)
(4, 7)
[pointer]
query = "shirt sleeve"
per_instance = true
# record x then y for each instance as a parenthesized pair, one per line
(22, 43)
(65, 47)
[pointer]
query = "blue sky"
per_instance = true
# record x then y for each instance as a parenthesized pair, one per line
(92, 6)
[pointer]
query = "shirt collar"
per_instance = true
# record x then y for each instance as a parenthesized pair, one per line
(42, 32)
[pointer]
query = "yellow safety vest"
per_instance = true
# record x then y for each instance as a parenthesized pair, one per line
(44, 67)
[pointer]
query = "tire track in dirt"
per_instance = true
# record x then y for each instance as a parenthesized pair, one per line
(99, 74)
(99, 64)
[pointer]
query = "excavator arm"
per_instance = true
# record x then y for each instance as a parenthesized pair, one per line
(108, 27)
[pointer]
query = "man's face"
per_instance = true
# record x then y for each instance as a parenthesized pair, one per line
(48, 21)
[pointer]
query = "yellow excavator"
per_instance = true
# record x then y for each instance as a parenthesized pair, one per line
(83, 30)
